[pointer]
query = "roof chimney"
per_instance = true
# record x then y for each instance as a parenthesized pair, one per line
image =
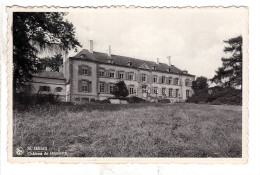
(109, 50)
(91, 46)
(169, 59)
(158, 61)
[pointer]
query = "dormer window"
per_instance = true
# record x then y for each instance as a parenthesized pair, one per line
(82, 56)
(153, 67)
(185, 72)
(110, 60)
(168, 69)
(129, 63)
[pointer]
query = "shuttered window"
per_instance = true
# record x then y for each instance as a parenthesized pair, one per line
(163, 91)
(102, 72)
(131, 90)
(175, 81)
(102, 87)
(121, 75)
(170, 92)
(112, 74)
(130, 76)
(163, 79)
(85, 86)
(155, 90)
(84, 70)
(155, 78)
(144, 78)
(111, 87)
(169, 80)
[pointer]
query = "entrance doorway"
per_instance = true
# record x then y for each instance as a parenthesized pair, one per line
(144, 90)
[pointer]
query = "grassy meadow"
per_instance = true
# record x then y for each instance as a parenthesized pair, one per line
(133, 130)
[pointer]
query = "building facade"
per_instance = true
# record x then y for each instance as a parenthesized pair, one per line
(92, 76)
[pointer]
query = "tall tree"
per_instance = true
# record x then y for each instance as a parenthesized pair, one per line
(35, 32)
(230, 74)
(200, 83)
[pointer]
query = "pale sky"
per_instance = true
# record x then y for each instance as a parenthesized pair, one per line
(193, 38)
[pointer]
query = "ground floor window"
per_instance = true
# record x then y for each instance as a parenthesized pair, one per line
(155, 90)
(131, 90)
(102, 87)
(163, 91)
(170, 92)
(111, 88)
(144, 89)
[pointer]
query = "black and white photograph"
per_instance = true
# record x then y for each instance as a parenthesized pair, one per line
(97, 83)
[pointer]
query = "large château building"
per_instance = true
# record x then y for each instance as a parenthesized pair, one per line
(91, 75)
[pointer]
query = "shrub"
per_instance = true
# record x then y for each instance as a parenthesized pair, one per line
(27, 99)
(136, 100)
(164, 101)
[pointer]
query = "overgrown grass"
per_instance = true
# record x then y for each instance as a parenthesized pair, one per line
(133, 130)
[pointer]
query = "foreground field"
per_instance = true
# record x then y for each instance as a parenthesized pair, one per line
(133, 130)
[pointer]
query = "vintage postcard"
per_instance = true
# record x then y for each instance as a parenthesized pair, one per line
(128, 85)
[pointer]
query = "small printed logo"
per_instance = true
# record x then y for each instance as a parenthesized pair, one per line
(19, 151)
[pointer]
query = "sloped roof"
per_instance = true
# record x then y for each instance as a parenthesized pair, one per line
(123, 61)
(50, 74)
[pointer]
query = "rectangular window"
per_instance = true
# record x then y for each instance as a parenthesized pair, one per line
(131, 90)
(112, 74)
(175, 81)
(170, 92)
(86, 86)
(102, 87)
(111, 87)
(86, 70)
(155, 78)
(163, 91)
(58, 89)
(44, 88)
(131, 76)
(121, 75)
(155, 90)
(163, 79)
(170, 80)
(143, 77)
(101, 72)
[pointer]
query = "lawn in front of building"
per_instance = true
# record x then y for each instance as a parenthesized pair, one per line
(132, 130)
